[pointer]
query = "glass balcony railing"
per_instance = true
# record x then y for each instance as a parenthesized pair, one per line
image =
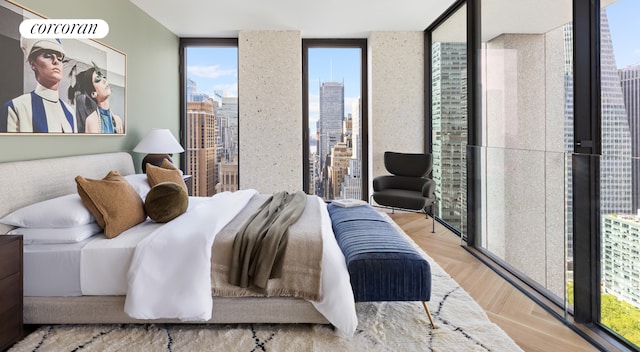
(526, 222)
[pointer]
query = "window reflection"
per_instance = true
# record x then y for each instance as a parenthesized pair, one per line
(620, 168)
(449, 117)
(527, 125)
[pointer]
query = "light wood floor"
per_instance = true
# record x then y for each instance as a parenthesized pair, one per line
(528, 324)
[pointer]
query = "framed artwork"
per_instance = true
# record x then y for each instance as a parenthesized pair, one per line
(58, 86)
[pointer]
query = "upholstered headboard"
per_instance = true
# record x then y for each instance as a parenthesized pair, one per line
(28, 182)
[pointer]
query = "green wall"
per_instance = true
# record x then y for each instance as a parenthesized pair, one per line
(152, 81)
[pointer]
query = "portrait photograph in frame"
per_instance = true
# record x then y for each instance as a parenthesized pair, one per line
(58, 86)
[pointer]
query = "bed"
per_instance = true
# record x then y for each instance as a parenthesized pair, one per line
(61, 301)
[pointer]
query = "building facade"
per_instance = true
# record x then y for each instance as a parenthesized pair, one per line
(449, 129)
(621, 257)
(329, 131)
(630, 80)
(200, 146)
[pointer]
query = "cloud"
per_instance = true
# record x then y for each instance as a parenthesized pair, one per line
(213, 71)
(231, 89)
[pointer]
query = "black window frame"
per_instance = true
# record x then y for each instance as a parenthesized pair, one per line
(364, 101)
(184, 43)
(585, 163)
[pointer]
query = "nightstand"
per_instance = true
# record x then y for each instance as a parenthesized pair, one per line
(188, 180)
(10, 290)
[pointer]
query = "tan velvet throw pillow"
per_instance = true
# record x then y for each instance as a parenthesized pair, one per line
(167, 172)
(113, 202)
(166, 201)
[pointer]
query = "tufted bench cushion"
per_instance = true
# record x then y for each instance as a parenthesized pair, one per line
(382, 264)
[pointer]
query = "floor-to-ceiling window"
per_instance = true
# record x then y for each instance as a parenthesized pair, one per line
(619, 168)
(210, 114)
(553, 152)
(552, 155)
(527, 129)
(448, 111)
(335, 120)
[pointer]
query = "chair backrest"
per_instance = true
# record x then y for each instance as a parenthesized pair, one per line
(408, 164)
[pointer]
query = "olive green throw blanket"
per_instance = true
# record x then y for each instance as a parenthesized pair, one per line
(272, 248)
(259, 246)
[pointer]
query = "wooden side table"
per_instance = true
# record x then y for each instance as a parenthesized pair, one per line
(11, 290)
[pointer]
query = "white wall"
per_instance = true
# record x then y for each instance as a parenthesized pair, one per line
(270, 110)
(396, 95)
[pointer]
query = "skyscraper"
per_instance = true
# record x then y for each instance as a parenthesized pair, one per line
(352, 184)
(227, 115)
(329, 126)
(226, 144)
(331, 115)
(449, 125)
(619, 228)
(200, 146)
(621, 271)
(615, 163)
(630, 79)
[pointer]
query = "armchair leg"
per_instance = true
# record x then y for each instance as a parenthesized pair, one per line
(433, 224)
(433, 217)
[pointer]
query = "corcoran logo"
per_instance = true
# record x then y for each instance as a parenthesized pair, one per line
(49, 28)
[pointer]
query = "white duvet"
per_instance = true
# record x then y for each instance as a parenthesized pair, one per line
(169, 273)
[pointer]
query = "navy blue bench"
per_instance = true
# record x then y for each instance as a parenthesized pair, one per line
(382, 264)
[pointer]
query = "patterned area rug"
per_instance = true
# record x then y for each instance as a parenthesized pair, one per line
(389, 326)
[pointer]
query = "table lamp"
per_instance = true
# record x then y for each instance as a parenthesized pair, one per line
(158, 144)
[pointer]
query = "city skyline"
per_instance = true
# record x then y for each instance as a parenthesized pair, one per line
(325, 65)
(333, 65)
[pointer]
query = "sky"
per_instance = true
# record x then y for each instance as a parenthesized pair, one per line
(216, 68)
(624, 24)
(213, 68)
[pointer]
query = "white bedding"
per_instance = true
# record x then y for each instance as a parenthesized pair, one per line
(180, 287)
(337, 303)
(107, 262)
(52, 270)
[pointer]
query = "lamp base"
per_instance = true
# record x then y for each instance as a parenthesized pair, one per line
(154, 159)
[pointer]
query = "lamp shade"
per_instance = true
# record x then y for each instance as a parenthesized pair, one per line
(159, 141)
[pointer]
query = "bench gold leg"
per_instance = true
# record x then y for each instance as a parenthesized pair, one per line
(426, 309)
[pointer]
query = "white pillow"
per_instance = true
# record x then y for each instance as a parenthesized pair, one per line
(57, 235)
(139, 183)
(65, 211)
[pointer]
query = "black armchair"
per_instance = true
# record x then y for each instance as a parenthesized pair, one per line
(410, 186)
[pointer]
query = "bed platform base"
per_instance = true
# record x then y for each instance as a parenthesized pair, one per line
(110, 310)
